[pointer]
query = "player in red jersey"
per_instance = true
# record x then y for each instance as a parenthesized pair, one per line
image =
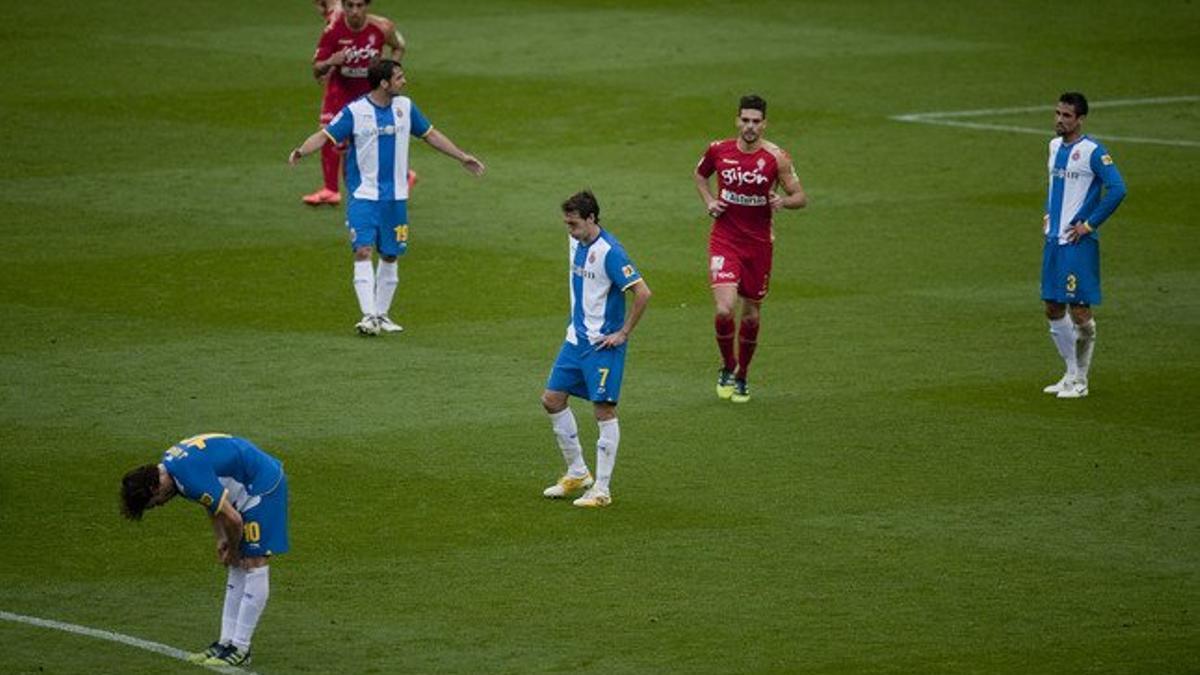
(352, 40)
(748, 168)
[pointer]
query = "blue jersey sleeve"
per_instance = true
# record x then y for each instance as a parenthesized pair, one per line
(1114, 186)
(620, 268)
(420, 125)
(195, 478)
(341, 127)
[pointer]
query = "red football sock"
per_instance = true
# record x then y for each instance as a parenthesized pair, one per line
(725, 327)
(331, 160)
(747, 341)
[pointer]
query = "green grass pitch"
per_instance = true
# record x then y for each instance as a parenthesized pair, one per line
(899, 497)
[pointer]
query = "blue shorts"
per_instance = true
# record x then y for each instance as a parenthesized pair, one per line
(265, 526)
(382, 225)
(587, 372)
(1071, 272)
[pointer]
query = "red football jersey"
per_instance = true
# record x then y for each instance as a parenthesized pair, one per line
(349, 80)
(744, 185)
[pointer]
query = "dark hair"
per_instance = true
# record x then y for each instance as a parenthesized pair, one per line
(753, 102)
(1077, 101)
(137, 489)
(584, 203)
(381, 70)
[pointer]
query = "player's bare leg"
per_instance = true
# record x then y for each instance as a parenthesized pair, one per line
(725, 299)
(331, 162)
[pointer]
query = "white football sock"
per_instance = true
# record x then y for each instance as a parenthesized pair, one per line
(606, 452)
(254, 601)
(1084, 343)
(234, 588)
(386, 280)
(566, 432)
(364, 286)
(1062, 331)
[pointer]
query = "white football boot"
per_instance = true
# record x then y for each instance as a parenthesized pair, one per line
(387, 325)
(1058, 387)
(368, 326)
(1076, 389)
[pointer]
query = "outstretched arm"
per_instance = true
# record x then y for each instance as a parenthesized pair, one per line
(444, 145)
(309, 146)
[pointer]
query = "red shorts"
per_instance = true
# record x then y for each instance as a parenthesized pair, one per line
(747, 266)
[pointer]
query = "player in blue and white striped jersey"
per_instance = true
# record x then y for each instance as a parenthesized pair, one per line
(591, 362)
(1085, 188)
(378, 127)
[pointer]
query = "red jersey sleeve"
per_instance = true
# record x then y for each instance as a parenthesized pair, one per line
(327, 45)
(708, 163)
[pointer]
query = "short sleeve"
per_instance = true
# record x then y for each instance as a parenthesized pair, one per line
(341, 127)
(708, 163)
(196, 481)
(326, 46)
(420, 125)
(620, 269)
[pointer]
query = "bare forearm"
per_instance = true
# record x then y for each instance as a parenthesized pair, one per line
(702, 188)
(309, 146)
(444, 145)
(641, 299)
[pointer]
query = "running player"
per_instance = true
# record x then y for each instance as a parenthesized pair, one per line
(748, 168)
(244, 491)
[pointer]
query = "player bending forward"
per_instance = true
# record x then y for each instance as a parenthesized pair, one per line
(244, 491)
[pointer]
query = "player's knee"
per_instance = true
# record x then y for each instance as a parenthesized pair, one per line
(1081, 313)
(553, 401)
(725, 311)
(605, 412)
(363, 253)
(1055, 311)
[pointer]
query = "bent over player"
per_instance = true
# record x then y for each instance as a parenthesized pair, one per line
(1079, 167)
(741, 244)
(244, 491)
(591, 362)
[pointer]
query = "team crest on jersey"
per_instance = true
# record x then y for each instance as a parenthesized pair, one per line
(592, 257)
(716, 263)
(1075, 156)
(1106, 160)
(762, 163)
(206, 499)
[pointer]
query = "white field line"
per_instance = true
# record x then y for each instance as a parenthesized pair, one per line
(942, 118)
(155, 647)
